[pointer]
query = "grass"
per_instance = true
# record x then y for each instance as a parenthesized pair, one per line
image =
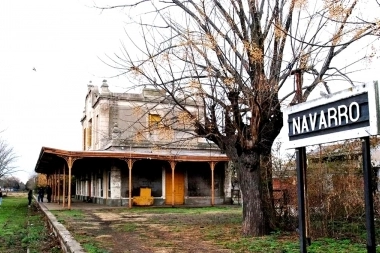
(68, 217)
(91, 248)
(219, 227)
(23, 228)
(274, 244)
(128, 227)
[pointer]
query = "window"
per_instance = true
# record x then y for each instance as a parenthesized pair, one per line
(154, 120)
(84, 138)
(89, 135)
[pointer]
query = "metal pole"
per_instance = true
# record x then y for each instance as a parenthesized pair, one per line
(306, 199)
(301, 197)
(371, 245)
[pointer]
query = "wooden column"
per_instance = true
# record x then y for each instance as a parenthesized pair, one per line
(56, 186)
(64, 189)
(53, 188)
(70, 163)
(172, 165)
(59, 185)
(130, 164)
(212, 164)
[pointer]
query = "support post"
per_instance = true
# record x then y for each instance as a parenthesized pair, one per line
(301, 197)
(172, 165)
(212, 184)
(130, 164)
(306, 199)
(54, 187)
(70, 163)
(371, 245)
(59, 184)
(64, 189)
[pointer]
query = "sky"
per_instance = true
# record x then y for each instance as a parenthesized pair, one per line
(49, 52)
(64, 42)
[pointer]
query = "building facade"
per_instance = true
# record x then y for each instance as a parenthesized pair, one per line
(135, 141)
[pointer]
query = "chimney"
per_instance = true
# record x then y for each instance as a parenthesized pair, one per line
(104, 88)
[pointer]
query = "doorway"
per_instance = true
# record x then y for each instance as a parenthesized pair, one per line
(179, 187)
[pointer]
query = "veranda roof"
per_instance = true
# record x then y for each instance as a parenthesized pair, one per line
(52, 159)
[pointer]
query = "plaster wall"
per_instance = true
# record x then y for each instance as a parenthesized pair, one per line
(115, 183)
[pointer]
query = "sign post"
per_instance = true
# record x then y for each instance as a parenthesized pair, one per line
(370, 224)
(300, 157)
(349, 114)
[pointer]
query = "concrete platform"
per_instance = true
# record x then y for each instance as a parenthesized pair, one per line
(68, 243)
(76, 204)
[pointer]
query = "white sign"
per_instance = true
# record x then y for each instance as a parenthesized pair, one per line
(347, 114)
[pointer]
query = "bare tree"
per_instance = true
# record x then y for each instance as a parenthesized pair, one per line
(241, 61)
(11, 182)
(7, 159)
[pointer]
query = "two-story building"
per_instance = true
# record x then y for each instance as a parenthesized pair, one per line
(135, 141)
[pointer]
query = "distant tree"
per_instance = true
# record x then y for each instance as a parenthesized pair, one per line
(11, 182)
(241, 61)
(31, 183)
(7, 159)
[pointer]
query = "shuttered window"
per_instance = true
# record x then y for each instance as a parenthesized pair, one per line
(154, 120)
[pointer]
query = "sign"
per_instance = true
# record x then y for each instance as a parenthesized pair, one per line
(348, 114)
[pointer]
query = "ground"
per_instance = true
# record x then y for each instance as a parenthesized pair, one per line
(119, 231)
(23, 228)
(50, 241)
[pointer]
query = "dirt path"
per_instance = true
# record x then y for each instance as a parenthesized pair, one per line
(121, 232)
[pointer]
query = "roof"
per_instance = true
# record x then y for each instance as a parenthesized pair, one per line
(51, 159)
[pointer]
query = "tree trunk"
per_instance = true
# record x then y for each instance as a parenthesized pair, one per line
(267, 191)
(248, 168)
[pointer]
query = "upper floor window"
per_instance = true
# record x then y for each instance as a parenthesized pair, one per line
(154, 120)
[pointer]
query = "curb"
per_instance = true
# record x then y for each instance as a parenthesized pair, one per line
(68, 243)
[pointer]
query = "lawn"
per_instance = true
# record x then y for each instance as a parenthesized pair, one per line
(153, 229)
(23, 228)
(161, 229)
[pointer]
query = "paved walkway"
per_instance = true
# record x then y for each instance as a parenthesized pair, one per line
(76, 204)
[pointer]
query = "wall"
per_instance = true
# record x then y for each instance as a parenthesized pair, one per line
(115, 182)
(145, 173)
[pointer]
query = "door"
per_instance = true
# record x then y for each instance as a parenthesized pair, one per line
(179, 187)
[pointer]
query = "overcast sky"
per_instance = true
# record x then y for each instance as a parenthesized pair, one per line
(49, 51)
(62, 41)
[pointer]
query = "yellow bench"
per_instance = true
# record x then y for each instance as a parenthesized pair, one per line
(145, 198)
